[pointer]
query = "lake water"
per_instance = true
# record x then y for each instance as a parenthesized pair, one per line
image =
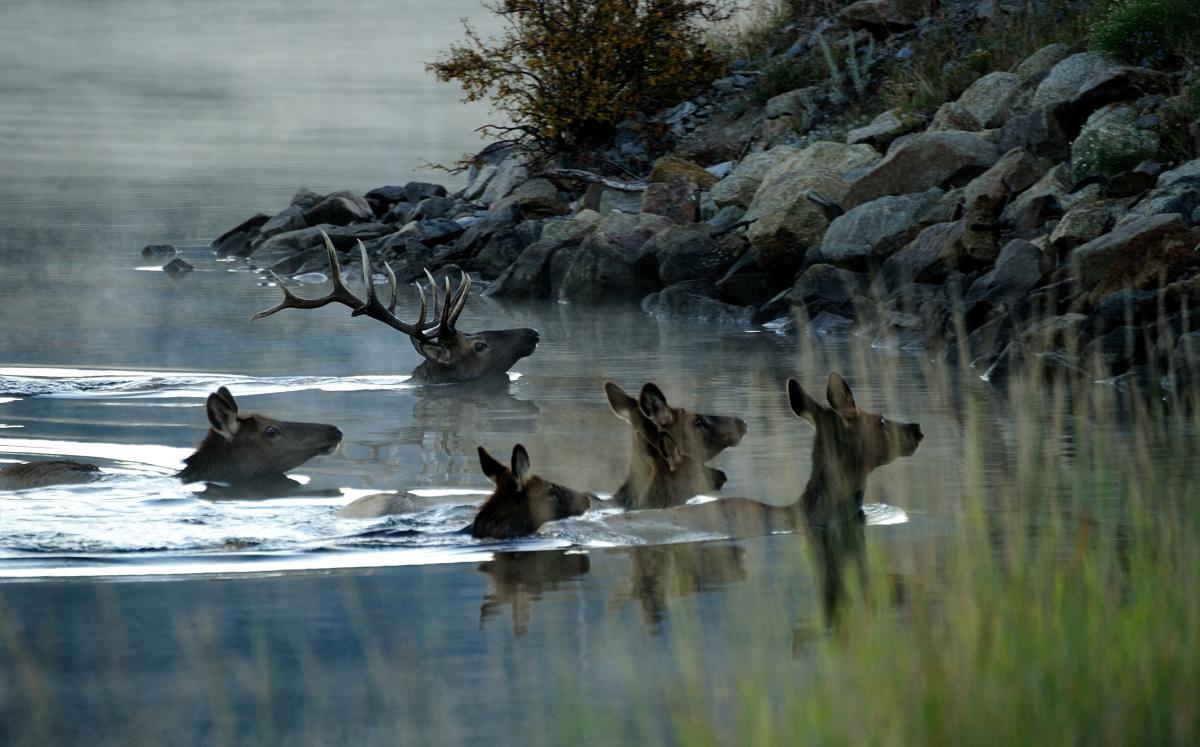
(132, 609)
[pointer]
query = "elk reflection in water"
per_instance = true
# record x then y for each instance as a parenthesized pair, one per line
(518, 579)
(661, 572)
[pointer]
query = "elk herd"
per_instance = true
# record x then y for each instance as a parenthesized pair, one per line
(669, 446)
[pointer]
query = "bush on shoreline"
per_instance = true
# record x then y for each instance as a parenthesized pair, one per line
(566, 72)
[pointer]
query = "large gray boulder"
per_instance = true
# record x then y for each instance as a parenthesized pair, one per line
(689, 252)
(1119, 257)
(340, 209)
(694, 300)
(790, 208)
(874, 230)
(1020, 268)
(739, 186)
(1177, 191)
(530, 274)
(1015, 172)
(882, 130)
(1111, 141)
(929, 258)
(291, 218)
(924, 160)
(988, 99)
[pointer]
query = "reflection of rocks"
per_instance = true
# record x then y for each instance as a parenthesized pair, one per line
(518, 579)
(661, 572)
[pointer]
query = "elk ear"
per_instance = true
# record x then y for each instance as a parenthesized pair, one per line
(653, 404)
(841, 399)
(520, 463)
(223, 413)
(621, 403)
(802, 404)
(494, 470)
(434, 351)
(669, 449)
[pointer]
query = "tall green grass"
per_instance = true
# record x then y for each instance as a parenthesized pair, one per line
(1062, 609)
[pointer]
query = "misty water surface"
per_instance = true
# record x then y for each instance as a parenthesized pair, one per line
(124, 124)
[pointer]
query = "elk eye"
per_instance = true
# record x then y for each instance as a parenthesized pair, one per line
(700, 422)
(272, 431)
(480, 347)
(882, 422)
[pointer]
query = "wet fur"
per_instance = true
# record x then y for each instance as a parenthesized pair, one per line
(522, 502)
(668, 448)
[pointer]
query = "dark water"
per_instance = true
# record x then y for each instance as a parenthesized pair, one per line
(132, 609)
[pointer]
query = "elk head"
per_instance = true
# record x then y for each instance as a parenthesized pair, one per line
(850, 444)
(239, 448)
(668, 448)
(450, 356)
(522, 501)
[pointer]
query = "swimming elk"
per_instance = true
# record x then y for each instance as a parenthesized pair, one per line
(668, 448)
(238, 449)
(522, 501)
(450, 356)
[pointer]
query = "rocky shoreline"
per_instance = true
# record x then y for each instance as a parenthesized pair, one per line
(995, 231)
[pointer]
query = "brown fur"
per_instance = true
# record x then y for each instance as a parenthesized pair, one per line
(459, 357)
(240, 448)
(43, 474)
(522, 501)
(237, 449)
(668, 448)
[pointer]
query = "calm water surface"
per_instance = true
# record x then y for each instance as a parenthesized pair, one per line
(134, 609)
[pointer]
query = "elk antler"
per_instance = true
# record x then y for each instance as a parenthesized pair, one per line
(445, 310)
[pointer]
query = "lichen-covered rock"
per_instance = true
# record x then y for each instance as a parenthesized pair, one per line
(1069, 77)
(340, 209)
(924, 160)
(669, 168)
(874, 230)
(1110, 142)
(789, 209)
(800, 105)
(739, 186)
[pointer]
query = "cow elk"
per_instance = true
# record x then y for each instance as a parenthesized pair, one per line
(238, 449)
(522, 501)
(451, 356)
(669, 447)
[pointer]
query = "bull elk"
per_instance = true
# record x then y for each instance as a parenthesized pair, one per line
(451, 356)
(238, 450)
(668, 448)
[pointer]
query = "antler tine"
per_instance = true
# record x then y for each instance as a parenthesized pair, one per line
(437, 306)
(340, 293)
(447, 303)
(421, 316)
(392, 281)
(460, 298)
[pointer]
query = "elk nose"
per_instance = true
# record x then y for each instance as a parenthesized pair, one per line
(335, 433)
(916, 431)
